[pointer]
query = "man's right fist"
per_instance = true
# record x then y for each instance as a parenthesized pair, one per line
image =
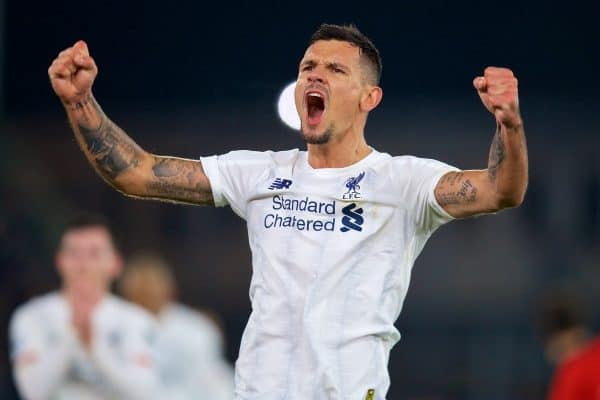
(72, 74)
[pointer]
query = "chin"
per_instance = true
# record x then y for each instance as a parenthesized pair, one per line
(312, 136)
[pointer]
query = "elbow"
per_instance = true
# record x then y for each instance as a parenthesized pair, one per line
(131, 186)
(131, 180)
(126, 187)
(511, 199)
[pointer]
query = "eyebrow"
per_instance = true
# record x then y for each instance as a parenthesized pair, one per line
(337, 65)
(309, 62)
(331, 64)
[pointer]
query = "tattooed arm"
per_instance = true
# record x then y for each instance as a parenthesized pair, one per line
(130, 169)
(504, 183)
(114, 155)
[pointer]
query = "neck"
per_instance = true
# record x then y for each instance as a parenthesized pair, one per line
(157, 309)
(101, 291)
(341, 151)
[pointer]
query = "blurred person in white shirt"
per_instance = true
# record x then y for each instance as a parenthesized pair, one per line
(81, 342)
(190, 343)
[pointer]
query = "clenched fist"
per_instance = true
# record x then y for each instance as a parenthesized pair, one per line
(497, 89)
(72, 74)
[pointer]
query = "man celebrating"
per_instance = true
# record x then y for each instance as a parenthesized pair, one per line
(82, 343)
(334, 230)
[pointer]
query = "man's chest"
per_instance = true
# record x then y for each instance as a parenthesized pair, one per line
(349, 207)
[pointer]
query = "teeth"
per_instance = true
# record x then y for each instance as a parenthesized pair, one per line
(315, 95)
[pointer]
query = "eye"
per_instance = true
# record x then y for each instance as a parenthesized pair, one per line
(307, 68)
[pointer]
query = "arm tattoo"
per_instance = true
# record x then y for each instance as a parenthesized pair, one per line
(497, 155)
(453, 189)
(112, 150)
(113, 153)
(179, 179)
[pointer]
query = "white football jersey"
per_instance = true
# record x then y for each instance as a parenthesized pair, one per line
(190, 356)
(50, 362)
(332, 252)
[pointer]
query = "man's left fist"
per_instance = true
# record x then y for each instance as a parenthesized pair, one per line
(497, 89)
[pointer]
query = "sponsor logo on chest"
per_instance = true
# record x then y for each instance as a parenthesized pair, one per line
(307, 214)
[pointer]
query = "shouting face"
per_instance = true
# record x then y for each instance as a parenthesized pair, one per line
(332, 92)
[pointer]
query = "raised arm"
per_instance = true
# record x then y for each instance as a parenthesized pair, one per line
(504, 182)
(114, 155)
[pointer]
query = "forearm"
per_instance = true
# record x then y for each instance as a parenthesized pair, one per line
(40, 381)
(39, 373)
(129, 370)
(127, 378)
(112, 153)
(508, 165)
(127, 167)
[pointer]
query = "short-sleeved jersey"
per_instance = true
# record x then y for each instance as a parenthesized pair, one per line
(332, 252)
(50, 362)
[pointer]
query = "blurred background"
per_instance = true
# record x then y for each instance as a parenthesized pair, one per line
(198, 79)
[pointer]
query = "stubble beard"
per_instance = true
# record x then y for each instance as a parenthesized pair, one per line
(323, 138)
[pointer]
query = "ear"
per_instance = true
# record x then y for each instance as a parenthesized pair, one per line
(371, 98)
(117, 267)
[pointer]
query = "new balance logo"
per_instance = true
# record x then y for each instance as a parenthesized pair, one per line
(352, 219)
(280, 183)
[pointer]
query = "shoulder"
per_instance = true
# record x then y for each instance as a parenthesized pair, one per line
(409, 161)
(419, 169)
(191, 318)
(197, 329)
(278, 157)
(128, 313)
(586, 360)
(45, 306)
(589, 357)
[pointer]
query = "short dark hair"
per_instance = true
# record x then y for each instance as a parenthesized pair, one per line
(351, 34)
(90, 220)
(560, 311)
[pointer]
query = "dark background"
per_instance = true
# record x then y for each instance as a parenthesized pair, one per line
(193, 79)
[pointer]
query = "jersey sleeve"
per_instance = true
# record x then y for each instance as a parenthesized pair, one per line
(418, 178)
(40, 359)
(234, 175)
(124, 351)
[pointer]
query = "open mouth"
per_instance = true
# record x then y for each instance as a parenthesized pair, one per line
(315, 106)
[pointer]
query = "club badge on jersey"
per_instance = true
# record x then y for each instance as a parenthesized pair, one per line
(353, 186)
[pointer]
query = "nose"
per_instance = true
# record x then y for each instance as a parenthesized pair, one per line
(315, 77)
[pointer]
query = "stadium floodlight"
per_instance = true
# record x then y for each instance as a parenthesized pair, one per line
(286, 107)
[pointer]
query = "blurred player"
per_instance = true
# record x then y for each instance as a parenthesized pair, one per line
(82, 343)
(189, 344)
(334, 230)
(570, 347)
